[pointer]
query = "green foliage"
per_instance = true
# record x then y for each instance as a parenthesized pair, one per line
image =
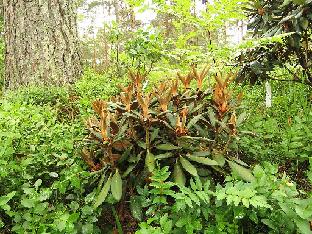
(233, 208)
(4, 205)
(272, 18)
(282, 132)
(144, 50)
(278, 16)
(46, 187)
(39, 161)
(35, 95)
(40, 158)
(93, 85)
(183, 33)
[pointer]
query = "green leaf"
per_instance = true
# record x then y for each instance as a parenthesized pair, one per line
(194, 121)
(75, 182)
(240, 162)
(73, 217)
(201, 153)
(299, 2)
(165, 223)
(242, 172)
(154, 134)
(303, 225)
(5, 199)
(188, 166)
(219, 158)
(164, 156)
(212, 117)
(129, 169)
(193, 138)
(38, 183)
(150, 161)
(167, 147)
(203, 160)
(178, 175)
(53, 174)
(141, 144)
(241, 118)
(28, 203)
(116, 186)
(136, 207)
(103, 194)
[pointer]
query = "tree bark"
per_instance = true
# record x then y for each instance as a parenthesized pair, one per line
(42, 45)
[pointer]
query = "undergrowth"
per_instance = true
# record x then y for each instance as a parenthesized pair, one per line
(165, 184)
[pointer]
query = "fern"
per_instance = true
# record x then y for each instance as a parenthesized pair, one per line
(241, 193)
(236, 207)
(196, 195)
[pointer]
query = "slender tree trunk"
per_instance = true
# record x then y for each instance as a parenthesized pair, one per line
(106, 60)
(116, 6)
(105, 36)
(41, 42)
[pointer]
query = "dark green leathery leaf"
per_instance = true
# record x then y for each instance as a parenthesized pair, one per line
(178, 175)
(219, 157)
(150, 161)
(136, 207)
(164, 156)
(167, 147)
(203, 160)
(241, 171)
(103, 194)
(188, 166)
(116, 185)
(201, 153)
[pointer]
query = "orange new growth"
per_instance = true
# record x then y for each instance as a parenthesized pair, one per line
(163, 95)
(221, 94)
(144, 102)
(199, 77)
(100, 107)
(137, 79)
(186, 80)
(181, 129)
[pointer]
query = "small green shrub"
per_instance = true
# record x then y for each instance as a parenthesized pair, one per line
(144, 50)
(44, 95)
(93, 85)
(40, 164)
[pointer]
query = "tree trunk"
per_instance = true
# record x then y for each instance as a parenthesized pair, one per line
(41, 42)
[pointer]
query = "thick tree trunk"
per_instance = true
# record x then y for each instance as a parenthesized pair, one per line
(41, 42)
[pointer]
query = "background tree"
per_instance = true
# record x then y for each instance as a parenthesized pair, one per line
(41, 42)
(293, 20)
(103, 46)
(188, 32)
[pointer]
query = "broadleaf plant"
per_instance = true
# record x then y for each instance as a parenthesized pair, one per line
(188, 129)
